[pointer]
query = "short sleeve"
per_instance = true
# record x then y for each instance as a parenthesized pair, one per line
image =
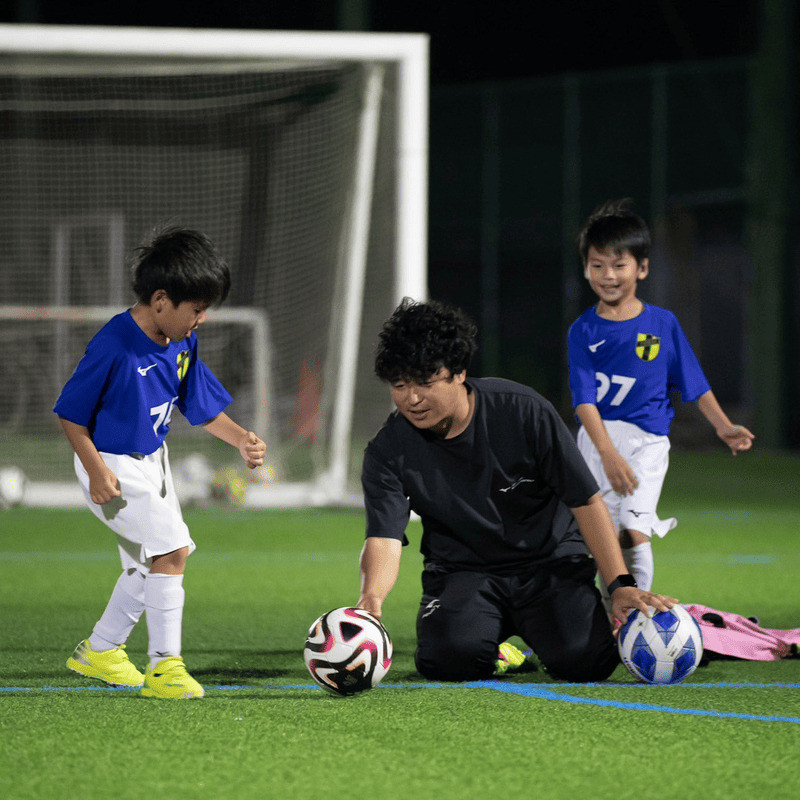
(201, 397)
(558, 457)
(686, 374)
(81, 394)
(386, 505)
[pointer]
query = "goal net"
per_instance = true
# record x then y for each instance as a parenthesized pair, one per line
(303, 156)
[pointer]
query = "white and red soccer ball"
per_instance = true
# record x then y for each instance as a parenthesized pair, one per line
(663, 648)
(348, 651)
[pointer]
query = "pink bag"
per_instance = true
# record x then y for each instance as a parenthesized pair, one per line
(739, 637)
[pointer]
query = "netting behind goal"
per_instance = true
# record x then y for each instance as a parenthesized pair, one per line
(290, 165)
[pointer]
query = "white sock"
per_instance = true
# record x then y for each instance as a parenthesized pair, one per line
(123, 611)
(639, 561)
(163, 600)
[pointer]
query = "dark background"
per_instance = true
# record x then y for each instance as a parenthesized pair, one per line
(500, 81)
(471, 40)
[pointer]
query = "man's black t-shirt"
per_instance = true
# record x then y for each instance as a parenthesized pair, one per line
(495, 498)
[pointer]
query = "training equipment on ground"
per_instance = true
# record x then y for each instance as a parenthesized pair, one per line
(730, 635)
(302, 155)
(663, 648)
(348, 651)
(229, 486)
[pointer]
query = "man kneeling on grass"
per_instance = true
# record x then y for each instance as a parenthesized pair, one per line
(508, 508)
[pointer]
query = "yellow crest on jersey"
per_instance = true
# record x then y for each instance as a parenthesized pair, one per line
(183, 364)
(647, 346)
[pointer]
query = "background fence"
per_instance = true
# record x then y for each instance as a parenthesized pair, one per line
(516, 167)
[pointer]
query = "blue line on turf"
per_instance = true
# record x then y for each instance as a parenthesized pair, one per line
(519, 688)
(543, 692)
(535, 690)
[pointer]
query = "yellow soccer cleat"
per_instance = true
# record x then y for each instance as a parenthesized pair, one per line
(508, 658)
(111, 666)
(169, 680)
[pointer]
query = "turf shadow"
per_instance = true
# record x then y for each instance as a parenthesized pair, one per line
(232, 676)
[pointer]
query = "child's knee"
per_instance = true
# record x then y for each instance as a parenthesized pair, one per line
(630, 538)
(173, 563)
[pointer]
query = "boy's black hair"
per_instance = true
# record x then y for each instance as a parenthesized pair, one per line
(185, 264)
(421, 338)
(614, 225)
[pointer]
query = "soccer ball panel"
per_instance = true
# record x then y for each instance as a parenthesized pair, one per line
(664, 648)
(347, 651)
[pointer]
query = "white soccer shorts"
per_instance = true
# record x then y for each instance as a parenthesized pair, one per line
(648, 456)
(147, 516)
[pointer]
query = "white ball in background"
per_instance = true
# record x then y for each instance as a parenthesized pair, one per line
(193, 477)
(12, 486)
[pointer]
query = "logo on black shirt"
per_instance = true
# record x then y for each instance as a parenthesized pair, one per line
(517, 482)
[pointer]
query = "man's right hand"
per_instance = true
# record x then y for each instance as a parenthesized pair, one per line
(373, 605)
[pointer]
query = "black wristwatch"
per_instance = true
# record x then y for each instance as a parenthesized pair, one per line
(621, 580)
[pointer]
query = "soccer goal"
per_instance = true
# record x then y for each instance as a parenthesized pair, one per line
(303, 155)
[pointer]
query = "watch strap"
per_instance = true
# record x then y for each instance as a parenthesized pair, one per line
(621, 580)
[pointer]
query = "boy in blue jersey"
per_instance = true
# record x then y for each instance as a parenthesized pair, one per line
(625, 356)
(115, 411)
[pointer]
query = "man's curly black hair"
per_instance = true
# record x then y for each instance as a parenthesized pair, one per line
(421, 338)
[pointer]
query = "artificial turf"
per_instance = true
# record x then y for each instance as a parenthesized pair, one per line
(258, 580)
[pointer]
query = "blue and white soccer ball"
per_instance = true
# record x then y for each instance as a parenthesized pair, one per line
(348, 651)
(663, 648)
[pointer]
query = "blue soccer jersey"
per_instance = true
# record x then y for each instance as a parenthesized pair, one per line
(126, 385)
(628, 368)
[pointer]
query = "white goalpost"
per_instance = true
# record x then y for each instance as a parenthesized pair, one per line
(303, 155)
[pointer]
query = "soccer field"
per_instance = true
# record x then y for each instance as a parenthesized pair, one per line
(264, 730)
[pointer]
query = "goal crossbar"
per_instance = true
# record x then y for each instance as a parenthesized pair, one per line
(409, 51)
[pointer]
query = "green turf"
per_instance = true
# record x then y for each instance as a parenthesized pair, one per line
(258, 579)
